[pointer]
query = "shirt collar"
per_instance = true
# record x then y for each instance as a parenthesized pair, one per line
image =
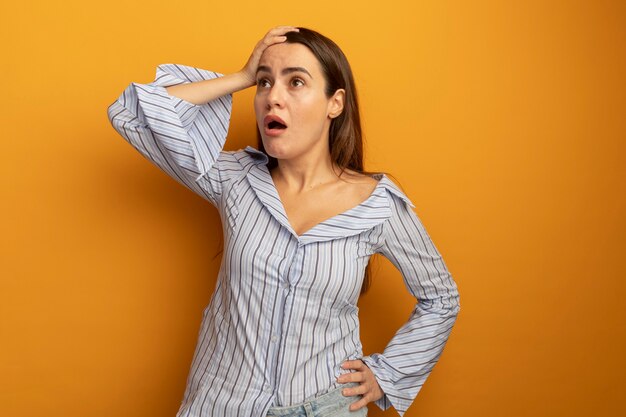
(257, 156)
(365, 216)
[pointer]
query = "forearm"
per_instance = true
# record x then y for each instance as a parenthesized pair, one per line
(201, 92)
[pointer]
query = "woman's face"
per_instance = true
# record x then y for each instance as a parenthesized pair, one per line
(292, 111)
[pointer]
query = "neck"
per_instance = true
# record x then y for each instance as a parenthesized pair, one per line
(306, 172)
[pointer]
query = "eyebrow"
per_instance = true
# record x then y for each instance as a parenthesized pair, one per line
(285, 71)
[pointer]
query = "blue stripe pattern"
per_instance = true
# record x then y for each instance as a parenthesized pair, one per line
(284, 314)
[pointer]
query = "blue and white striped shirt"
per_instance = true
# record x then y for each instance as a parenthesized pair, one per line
(284, 313)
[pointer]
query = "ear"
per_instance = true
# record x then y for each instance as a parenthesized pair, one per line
(335, 103)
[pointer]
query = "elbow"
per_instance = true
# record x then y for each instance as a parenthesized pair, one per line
(119, 120)
(113, 112)
(447, 306)
(453, 304)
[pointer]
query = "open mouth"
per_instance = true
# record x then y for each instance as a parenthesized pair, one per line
(276, 125)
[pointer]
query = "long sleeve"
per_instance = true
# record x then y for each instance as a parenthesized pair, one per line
(410, 356)
(181, 138)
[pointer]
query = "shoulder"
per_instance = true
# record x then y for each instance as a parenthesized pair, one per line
(361, 185)
(378, 183)
(395, 194)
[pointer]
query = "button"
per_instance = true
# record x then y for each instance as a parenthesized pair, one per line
(268, 390)
(286, 286)
(274, 339)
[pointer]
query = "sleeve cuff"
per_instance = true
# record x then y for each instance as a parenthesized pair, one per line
(383, 380)
(173, 74)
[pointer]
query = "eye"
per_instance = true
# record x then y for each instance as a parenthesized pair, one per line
(297, 82)
(263, 82)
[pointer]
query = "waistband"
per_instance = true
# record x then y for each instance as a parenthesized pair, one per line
(309, 408)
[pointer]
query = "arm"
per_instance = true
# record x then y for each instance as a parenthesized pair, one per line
(181, 138)
(202, 92)
(180, 120)
(410, 356)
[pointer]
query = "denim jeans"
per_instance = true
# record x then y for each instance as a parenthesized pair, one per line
(331, 404)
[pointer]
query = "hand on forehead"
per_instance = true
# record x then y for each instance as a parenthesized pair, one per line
(280, 57)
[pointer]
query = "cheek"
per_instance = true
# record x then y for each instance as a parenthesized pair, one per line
(314, 119)
(310, 109)
(258, 110)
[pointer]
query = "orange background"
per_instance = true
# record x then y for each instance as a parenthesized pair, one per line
(503, 121)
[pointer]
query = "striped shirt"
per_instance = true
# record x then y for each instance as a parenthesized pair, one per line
(284, 314)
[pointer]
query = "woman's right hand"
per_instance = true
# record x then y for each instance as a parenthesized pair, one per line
(274, 36)
(202, 92)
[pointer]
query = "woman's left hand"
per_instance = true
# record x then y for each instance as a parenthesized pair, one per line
(368, 388)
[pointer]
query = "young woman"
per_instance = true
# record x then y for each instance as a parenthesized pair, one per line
(301, 219)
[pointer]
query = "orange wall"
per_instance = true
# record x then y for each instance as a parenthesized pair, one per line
(503, 121)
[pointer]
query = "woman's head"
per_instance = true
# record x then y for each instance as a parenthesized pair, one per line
(328, 109)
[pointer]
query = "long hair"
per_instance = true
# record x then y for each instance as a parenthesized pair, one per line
(345, 137)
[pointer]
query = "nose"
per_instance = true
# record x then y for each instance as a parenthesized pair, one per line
(275, 97)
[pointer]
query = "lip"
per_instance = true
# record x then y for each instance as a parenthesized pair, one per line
(273, 118)
(273, 132)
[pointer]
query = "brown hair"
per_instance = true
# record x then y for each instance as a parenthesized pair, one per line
(345, 138)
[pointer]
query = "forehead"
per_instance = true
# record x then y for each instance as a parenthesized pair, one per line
(285, 55)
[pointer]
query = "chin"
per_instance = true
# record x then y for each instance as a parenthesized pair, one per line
(276, 148)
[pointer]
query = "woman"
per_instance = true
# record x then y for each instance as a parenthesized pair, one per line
(300, 220)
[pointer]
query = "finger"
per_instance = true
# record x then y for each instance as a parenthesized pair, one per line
(280, 33)
(356, 364)
(358, 404)
(269, 41)
(351, 377)
(282, 29)
(352, 391)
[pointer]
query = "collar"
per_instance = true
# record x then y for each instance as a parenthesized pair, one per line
(376, 209)
(257, 156)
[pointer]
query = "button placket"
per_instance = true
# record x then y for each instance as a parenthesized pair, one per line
(278, 331)
(291, 258)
